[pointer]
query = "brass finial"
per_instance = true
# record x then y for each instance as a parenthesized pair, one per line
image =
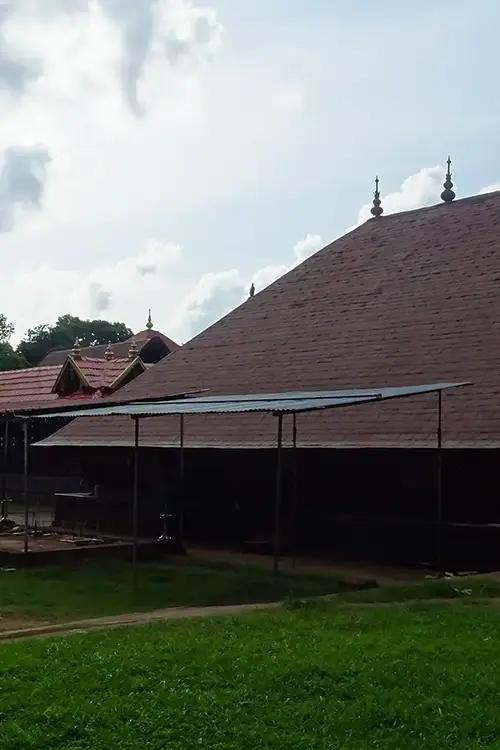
(252, 290)
(77, 352)
(109, 354)
(376, 209)
(448, 195)
(133, 350)
(149, 324)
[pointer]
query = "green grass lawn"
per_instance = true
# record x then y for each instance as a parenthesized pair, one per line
(470, 588)
(93, 590)
(320, 678)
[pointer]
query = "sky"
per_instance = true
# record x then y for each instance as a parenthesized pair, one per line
(165, 154)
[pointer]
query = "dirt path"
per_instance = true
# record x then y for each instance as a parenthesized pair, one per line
(46, 630)
(130, 619)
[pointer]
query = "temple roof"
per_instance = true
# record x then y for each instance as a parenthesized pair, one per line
(403, 299)
(83, 379)
(144, 340)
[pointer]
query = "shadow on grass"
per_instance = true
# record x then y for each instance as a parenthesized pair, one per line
(468, 590)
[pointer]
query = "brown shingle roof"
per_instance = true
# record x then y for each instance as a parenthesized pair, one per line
(404, 299)
(120, 349)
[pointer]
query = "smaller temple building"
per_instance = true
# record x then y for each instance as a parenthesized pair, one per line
(79, 379)
(79, 375)
(152, 346)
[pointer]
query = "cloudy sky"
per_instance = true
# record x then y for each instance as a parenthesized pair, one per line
(166, 153)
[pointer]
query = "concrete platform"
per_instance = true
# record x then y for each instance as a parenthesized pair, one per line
(60, 547)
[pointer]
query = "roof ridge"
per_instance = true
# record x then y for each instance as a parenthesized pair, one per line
(99, 359)
(441, 204)
(30, 369)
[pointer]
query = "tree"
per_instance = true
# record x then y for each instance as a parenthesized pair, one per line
(9, 359)
(45, 338)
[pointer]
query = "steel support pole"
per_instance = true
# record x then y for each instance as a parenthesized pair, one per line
(439, 509)
(294, 491)
(135, 500)
(25, 485)
(277, 505)
(180, 509)
(5, 464)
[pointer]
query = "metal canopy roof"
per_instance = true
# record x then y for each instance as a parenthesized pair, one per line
(295, 401)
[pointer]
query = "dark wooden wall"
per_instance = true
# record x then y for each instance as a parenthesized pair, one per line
(364, 504)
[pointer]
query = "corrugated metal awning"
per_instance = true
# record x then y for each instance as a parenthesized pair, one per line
(296, 401)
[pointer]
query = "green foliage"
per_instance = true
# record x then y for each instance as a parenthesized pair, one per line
(9, 358)
(332, 679)
(93, 590)
(44, 338)
(6, 329)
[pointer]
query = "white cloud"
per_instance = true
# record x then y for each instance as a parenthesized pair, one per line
(417, 190)
(105, 40)
(100, 298)
(490, 188)
(151, 32)
(266, 275)
(306, 247)
(47, 291)
(216, 294)
(22, 182)
(289, 100)
(302, 250)
(155, 257)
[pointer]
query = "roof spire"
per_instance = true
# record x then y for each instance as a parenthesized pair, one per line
(376, 209)
(133, 350)
(448, 195)
(109, 354)
(251, 293)
(149, 324)
(76, 352)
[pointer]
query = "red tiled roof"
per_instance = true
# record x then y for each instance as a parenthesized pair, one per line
(120, 349)
(404, 299)
(34, 388)
(150, 333)
(27, 387)
(101, 373)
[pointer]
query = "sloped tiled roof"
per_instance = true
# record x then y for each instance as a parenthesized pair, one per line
(151, 333)
(120, 350)
(27, 387)
(102, 373)
(34, 388)
(404, 299)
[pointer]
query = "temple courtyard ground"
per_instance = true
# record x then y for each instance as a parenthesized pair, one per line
(318, 675)
(406, 665)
